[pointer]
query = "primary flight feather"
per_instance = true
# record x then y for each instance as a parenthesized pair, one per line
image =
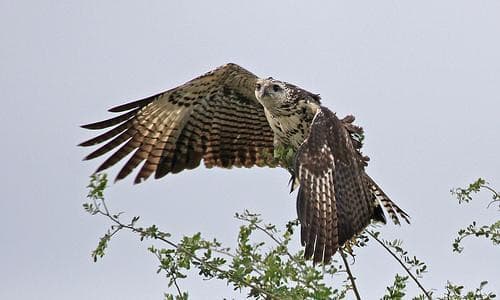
(231, 118)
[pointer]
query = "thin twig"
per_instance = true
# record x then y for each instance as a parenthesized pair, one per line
(177, 287)
(174, 278)
(233, 257)
(348, 269)
(401, 263)
(495, 193)
(492, 201)
(280, 243)
(176, 246)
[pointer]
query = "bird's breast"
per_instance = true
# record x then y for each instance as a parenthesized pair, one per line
(289, 130)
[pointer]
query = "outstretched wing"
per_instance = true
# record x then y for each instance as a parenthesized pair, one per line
(214, 117)
(334, 202)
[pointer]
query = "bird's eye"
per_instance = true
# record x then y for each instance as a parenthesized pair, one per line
(258, 86)
(276, 88)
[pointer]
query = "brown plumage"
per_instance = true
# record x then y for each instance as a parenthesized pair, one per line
(336, 198)
(231, 118)
(214, 117)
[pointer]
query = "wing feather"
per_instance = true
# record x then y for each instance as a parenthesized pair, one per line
(110, 122)
(107, 135)
(215, 118)
(331, 192)
(392, 209)
(336, 199)
(134, 104)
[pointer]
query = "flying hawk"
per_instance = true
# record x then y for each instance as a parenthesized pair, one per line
(231, 118)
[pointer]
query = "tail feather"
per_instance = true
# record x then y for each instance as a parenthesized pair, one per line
(394, 211)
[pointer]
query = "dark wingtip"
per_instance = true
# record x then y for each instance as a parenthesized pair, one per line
(95, 126)
(139, 179)
(378, 215)
(406, 218)
(117, 109)
(100, 168)
(327, 259)
(85, 144)
(110, 122)
(89, 126)
(309, 251)
(134, 104)
(402, 214)
(117, 179)
(92, 156)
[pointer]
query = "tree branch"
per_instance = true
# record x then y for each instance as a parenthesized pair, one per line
(142, 232)
(401, 263)
(353, 282)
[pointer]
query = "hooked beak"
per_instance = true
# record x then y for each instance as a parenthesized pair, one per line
(264, 92)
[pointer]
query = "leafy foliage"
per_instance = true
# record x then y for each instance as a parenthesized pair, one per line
(490, 231)
(397, 290)
(285, 155)
(455, 292)
(266, 269)
(275, 273)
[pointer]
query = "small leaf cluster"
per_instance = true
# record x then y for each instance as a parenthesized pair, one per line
(283, 274)
(285, 155)
(397, 290)
(465, 194)
(490, 231)
(456, 292)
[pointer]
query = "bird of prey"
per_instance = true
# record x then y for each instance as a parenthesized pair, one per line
(228, 118)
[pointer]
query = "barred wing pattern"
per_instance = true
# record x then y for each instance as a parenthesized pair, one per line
(381, 198)
(214, 117)
(336, 199)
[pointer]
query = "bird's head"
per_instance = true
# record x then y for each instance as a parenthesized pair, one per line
(277, 95)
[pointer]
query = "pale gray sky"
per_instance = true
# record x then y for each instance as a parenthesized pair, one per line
(422, 78)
